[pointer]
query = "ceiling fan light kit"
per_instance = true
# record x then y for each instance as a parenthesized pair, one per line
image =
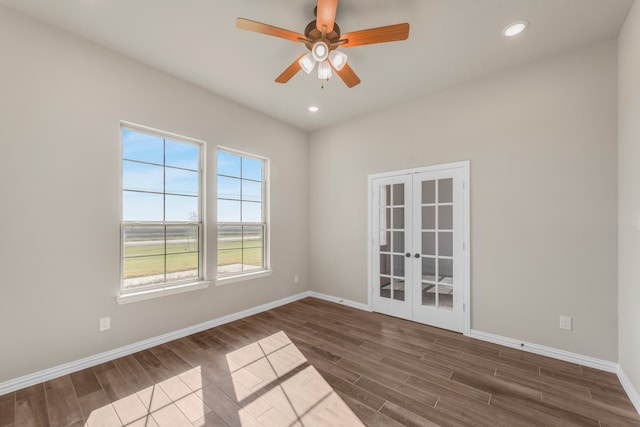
(324, 71)
(338, 59)
(322, 37)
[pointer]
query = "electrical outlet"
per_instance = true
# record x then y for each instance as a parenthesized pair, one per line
(105, 323)
(565, 323)
(296, 279)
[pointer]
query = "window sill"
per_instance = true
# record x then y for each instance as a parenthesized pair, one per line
(161, 292)
(242, 277)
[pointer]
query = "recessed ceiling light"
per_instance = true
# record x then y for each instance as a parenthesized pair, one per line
(313, 109)
(514, 28)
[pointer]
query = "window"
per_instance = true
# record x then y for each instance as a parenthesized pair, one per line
(162, 224)
(242, 213)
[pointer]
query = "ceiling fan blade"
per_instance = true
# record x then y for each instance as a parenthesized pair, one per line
(290, 71)
(326, 14)
(348, 76)
(270, 30)
(389, 33)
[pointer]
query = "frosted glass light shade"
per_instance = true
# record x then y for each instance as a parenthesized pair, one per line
(307, 63)
(320, 51)
(324, 71)
(338, 59)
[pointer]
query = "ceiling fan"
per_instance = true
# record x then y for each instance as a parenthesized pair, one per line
(322, 37)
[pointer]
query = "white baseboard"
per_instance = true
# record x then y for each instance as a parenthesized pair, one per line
(337, 300)
(87, 362)
(592, 362)
(633, 394)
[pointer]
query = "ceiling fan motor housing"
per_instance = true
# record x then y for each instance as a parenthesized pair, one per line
(314, 35)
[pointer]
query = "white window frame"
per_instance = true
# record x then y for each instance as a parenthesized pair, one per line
(170, 287)
(223, 279)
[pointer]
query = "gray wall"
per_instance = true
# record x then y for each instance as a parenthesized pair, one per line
(629, 196)
(542, 144)
(61, 102)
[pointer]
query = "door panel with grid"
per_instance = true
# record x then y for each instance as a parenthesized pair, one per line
(418, 250)
(391, 266)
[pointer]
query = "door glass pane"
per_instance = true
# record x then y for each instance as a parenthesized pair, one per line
(445, 244)
(428, 243)
(398, 218)
(445, 217)
(428, 294)
(385, 287)
(445, 297)
(398, 265)
(398, 241)
(385, 241)
(445, 271)
(385, 264)
(445, 190)
(398, 194)
(385, 195)
(398, 289)
(385, 218)
(428, 217)
(429, 269)
(428, 192)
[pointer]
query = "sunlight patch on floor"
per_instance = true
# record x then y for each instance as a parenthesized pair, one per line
(276, 384)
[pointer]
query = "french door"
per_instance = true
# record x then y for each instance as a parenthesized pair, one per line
(419, 258)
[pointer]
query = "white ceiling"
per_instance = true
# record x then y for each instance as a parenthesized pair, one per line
(450, 42)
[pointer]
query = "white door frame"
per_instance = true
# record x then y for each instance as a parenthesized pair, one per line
(464, 165)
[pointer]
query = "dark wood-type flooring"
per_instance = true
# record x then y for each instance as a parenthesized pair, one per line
(317, 363)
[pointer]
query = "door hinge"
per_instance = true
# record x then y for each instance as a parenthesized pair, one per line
(464, 307)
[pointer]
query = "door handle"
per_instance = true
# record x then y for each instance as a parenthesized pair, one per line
(408, 255)
(417, 255)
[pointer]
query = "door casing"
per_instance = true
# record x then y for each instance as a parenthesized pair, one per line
(464, 166)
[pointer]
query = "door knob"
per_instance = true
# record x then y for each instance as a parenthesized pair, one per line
(408, 255)
(417, 255)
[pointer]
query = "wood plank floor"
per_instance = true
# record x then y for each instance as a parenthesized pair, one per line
(317, 363)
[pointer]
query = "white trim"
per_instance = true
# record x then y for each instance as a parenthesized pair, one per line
(266, 204)
(221, 281)
(87, 362)
(592, 362)
(161, 292)
(466, 170)
(633, 394)
(465, 166)
(202, 223)
(337, 300)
